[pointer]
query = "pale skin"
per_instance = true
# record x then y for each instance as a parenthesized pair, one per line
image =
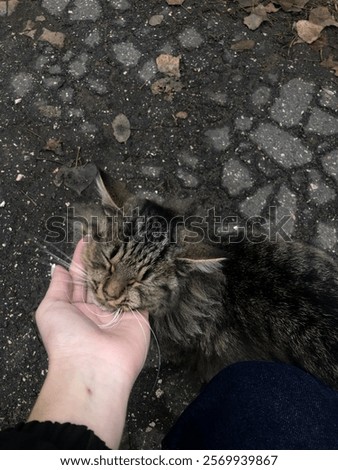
(91, 369)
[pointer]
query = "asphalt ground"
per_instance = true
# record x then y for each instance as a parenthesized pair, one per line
(246, 122)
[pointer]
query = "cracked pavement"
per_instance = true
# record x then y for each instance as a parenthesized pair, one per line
(244, 132)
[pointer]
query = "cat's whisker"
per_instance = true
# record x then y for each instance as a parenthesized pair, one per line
(69, 258)
(63, 262)
(78, 268)
(102, 315)
(116, 317)
(60, 261)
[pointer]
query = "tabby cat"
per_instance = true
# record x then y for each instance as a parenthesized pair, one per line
(215, 305)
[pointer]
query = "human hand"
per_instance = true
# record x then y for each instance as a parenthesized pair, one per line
(79, 333)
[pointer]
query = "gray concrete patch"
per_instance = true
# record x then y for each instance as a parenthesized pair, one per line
(319, 192)
(328, 98)
(78, 68)
(286, 150)
(261, 97)
(287, 207)
(120, 4)
(330, 164)
(243, 123)
(127, 54)
(293, 102)
(253, 206)
(190, 38)
(148, 71)
(152, 171)
(220, 138)
(55, 7)
(85, 10)
(322, 123)
(93, 39)
(236, 177)
(326, 236)
(188, 180)
(22, 84)
(97, 85)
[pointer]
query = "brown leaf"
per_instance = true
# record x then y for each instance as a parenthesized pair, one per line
(169, 65)
(175, 2)
(330, 63)
(181, 115)
(292, 5)
(29, 29)
(243, 45)
(256, 18)
(53, 145)
(54, 38)
(167, 86)
(7, 7)
(322, 17)
(78, 178)
(307, 31)
(270, 8)
(121, 128)
(321, 43)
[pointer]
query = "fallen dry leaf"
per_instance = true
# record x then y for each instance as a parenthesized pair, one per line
(307, 31)
(181, 115)
(322, 17)
(270, 8)
(256, 17)
(310, 30)
(78, 178)
(292, 5)
(175, 2)
(121, 128)
(7, 7)
(243, 45)
(167, 86)
(54, 38)
(29, 29)
(169, 65)
(330, 63)
(53, 145)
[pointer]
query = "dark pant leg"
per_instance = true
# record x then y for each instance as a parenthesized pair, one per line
(259, 405)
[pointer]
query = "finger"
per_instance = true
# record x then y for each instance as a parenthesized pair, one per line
(61, 286)
(78, 274)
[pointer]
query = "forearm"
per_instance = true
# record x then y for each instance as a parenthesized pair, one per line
(90, 396)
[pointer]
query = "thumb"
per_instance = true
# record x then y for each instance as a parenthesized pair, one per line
(61, 285)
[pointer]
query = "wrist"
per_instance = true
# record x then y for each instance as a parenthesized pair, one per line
(83, 394)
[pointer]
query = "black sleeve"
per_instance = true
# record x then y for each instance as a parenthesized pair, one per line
(48, 435)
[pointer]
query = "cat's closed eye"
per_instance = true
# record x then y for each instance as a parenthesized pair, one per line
(98, 266)
(145, 275)
(114, 252)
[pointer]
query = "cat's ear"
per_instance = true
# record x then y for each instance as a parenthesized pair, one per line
(113, 194)
(207, 266)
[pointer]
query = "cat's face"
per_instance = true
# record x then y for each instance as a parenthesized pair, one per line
(134, 268)
(132, 261)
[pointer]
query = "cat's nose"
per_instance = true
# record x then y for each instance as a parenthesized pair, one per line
(114, 288)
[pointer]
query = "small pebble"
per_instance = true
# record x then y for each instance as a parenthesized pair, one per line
(156, 20)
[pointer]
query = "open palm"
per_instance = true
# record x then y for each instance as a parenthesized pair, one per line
(74, 329)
